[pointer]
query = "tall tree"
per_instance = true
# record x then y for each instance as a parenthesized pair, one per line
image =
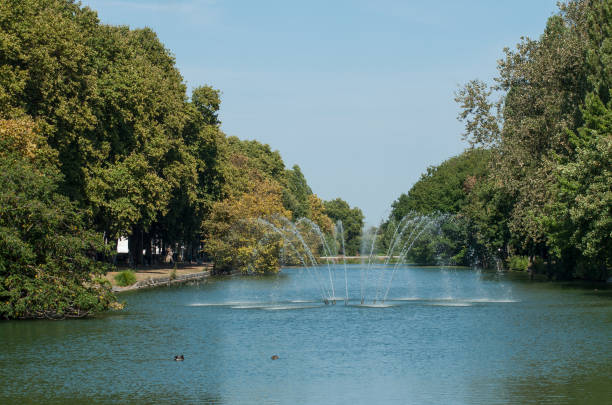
(580, 219)
(296, 193)
(545, 109)
(352, 222)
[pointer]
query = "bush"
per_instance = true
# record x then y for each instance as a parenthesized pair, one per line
(519, 263)
(48, 246)
(125, 278)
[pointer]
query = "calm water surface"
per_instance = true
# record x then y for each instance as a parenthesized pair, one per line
(443, 336)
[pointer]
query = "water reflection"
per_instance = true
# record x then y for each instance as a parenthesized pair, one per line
(443, 336)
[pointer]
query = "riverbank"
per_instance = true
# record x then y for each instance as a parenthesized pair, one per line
(148, 277)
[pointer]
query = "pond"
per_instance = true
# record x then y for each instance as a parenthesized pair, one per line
(453, 336)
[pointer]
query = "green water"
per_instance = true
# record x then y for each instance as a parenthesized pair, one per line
(442, 337)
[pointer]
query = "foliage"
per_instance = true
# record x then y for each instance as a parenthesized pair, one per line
(207, 101)
(143, 160)
(352, 222)
(444, 189)
(103, 111)
(125, 278)
(234, 238)
(482, 116)
(20, 136)
(545, 191)
(519, 263)
(580, 219)
(318, 214)
(487, 213)
(245, 160)
(296, 193)
(48, 266)
(257, 186)
(111, 103)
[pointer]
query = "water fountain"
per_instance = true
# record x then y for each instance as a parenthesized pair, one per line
(305, 241)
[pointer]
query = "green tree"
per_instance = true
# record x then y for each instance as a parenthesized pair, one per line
(207, 101)
(147, 161)
(580, 219)
(543, 86)
(352, 222)
(599, 50)
(48, 266)
(110, 101)
(236, 240)
(487, 211)
(192, 201)
(49, 72)
(296, 193)
(482, 116)
(445, 189)
(232, 231)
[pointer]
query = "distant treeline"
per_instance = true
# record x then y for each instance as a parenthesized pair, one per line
(535, 188)
(99, 140)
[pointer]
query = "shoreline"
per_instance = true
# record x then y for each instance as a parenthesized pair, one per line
(162, 281)
(150, 277)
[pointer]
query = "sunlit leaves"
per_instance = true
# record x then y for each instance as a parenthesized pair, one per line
(233, 235)
(47, 247)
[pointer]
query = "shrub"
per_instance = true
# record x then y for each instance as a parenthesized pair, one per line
(519, 263)
(48, 246)
(125, 278)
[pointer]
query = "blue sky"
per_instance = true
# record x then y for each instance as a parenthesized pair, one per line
(358, 93)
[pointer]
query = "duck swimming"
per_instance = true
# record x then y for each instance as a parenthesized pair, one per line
(179, 358)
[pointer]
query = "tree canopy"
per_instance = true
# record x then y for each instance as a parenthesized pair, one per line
(48, 266)
(352, 222)
(258, 187)
(99, 141)
(444, 188)
(544, 189)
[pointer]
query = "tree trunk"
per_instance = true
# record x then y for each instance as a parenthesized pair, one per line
(135, 244)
